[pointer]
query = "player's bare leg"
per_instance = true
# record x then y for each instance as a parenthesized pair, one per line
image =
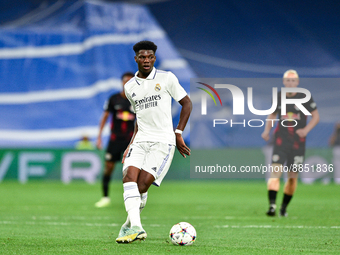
(145, 180)
(105, 200)
(273, 187)
(289, 190)
(109, 166)
(290, 186)
(273, 184)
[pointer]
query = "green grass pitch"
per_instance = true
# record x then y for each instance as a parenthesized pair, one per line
(229, 216)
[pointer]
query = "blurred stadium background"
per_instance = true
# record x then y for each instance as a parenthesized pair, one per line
(60, 60)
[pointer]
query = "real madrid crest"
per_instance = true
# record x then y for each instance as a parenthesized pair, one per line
(158, 87)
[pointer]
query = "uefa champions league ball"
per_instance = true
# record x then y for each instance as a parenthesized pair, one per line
(182, 233)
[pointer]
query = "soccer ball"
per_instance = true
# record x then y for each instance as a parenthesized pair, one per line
(182, 233)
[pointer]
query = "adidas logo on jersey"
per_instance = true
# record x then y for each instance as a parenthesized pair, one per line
(154, 168)
(133, 94)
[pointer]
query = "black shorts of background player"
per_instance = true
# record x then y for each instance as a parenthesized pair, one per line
(122, 127)
(289, 143)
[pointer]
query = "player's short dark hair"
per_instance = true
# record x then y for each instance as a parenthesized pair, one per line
(127, 74)
(144, 45)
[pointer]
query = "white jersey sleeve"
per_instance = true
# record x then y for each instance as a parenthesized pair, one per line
(175, 89)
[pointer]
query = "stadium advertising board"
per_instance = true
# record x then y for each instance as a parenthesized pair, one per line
(40, 164)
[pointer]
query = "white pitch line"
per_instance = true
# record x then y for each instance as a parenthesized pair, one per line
(277, 226)
(58, 223)
(157, 225)
(46, 217)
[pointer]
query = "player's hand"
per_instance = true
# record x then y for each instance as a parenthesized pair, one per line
(301, 132)
(265, 136)
(181, 146)
(99, 143)
(125, 153)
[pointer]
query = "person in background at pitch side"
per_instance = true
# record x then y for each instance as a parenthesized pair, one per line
(289, 143)
(122, 126)
(334, 141)
(84, 143)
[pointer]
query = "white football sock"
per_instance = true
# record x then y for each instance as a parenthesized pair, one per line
(127, 223)
(132, 202)
(143, 197)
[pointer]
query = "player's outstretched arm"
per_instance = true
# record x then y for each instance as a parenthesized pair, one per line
(101, 127)
(302, 132)
(183, 119)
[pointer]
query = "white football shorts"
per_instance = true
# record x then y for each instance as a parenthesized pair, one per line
(153, 157)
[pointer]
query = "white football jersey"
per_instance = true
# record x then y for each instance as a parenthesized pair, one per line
(151, 101)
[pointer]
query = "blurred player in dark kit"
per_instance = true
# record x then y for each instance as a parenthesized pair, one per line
(122, 126)
(334, 141)
(289, 143)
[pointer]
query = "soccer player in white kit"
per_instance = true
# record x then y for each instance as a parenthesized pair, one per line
(149, 154)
